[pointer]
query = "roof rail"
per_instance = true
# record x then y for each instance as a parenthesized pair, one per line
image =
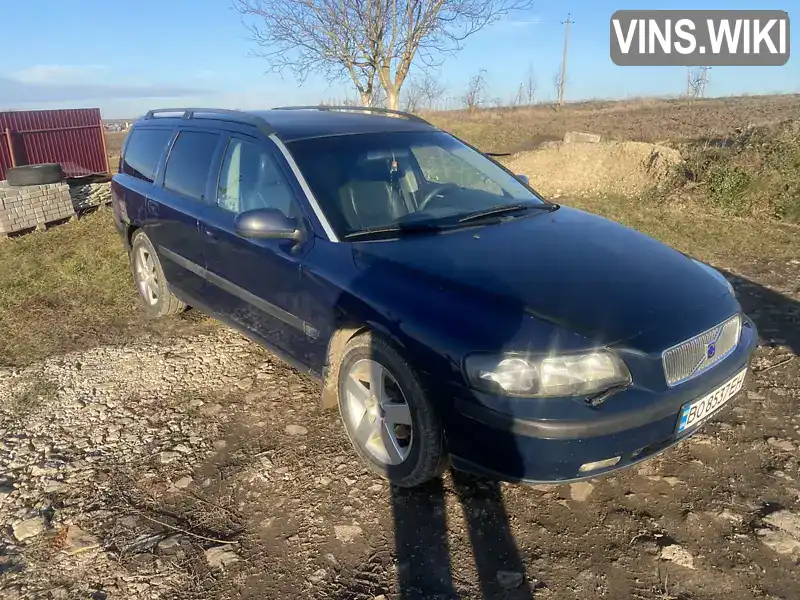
(367, 109)
(220, 114)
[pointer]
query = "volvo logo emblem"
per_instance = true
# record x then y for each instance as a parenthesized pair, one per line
(711, 350)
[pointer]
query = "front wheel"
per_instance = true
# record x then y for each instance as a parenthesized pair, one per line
(154, 292)
(389, 419)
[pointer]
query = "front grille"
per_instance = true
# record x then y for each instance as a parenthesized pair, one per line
(698, 354)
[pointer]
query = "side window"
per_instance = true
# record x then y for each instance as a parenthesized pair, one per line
(144, 151)
(440, 166)
(250, 178)
(189, 163)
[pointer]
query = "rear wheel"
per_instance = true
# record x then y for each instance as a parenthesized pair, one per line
(157, 299)
(388, 417)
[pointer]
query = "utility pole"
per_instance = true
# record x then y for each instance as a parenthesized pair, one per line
(703, 81)
(563, 81)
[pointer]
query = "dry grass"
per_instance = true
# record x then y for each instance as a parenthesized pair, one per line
(716, 238)
(30, 396)
(68, 288)
(626, 169)
(644, 120)
(114, 141)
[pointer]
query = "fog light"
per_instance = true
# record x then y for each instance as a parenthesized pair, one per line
(599, 464)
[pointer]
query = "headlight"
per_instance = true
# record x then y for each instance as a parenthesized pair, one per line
(561, 375)
(716, 274)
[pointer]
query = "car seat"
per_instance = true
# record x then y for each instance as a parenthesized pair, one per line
(370, 199)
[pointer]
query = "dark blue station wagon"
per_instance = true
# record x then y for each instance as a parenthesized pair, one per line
(453, 315)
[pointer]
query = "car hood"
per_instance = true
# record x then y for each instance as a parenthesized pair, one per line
(577, 270)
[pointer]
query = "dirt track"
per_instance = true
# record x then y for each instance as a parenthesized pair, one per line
(201, 468)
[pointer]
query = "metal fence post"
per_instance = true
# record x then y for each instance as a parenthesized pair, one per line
(11, 147)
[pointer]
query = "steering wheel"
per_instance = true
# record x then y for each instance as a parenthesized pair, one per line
(435, 191)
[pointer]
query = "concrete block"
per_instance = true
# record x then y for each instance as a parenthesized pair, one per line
(579, 137)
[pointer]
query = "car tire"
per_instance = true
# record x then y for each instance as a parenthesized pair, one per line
(35, 174)
(394, 428)
(156, 297)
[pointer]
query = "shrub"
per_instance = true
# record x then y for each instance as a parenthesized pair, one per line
(754, 171)
(727, 187)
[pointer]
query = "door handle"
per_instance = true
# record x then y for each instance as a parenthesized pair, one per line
(210, 234)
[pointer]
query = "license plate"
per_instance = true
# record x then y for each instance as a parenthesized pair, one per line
(695, 412)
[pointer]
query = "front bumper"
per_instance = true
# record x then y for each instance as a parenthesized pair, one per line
(509, 447)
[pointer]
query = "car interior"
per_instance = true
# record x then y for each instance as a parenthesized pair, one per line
(373, 195)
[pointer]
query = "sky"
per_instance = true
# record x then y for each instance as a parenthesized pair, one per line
(127, 57)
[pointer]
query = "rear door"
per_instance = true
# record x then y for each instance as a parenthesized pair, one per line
(143, 152)
(175, 207)
(256, 283)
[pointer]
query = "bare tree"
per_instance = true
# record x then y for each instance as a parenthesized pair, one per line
(372, 42)
(412, 96)
(423, 92)
(476, 90)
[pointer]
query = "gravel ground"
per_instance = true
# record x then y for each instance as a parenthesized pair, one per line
(202, 468)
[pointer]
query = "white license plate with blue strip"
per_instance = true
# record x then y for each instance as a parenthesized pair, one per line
(697, 411)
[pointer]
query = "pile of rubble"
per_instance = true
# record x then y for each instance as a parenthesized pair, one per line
(90, 195)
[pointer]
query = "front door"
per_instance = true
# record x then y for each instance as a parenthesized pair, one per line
(256, 283)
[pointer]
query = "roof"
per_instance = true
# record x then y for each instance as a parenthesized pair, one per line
(291, 124)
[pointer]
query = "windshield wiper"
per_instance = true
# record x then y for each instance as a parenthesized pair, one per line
(507, 208)
(419, 226)
(410, 227)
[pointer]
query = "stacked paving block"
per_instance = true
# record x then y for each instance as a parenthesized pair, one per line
(29, 206)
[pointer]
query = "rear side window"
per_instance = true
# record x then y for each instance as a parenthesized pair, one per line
(189, 163)
(144, 151)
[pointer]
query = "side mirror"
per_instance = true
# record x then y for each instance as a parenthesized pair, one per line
(524, 179)
(267, 224)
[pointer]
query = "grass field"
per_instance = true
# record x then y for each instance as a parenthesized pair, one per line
(645, 120)
(68, 288)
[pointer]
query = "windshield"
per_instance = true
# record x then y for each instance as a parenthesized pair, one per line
(369, 181)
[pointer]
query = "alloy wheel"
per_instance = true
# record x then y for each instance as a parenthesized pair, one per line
(146, 275)
(378, 416)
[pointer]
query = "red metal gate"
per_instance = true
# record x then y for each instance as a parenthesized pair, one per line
(72, 137)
